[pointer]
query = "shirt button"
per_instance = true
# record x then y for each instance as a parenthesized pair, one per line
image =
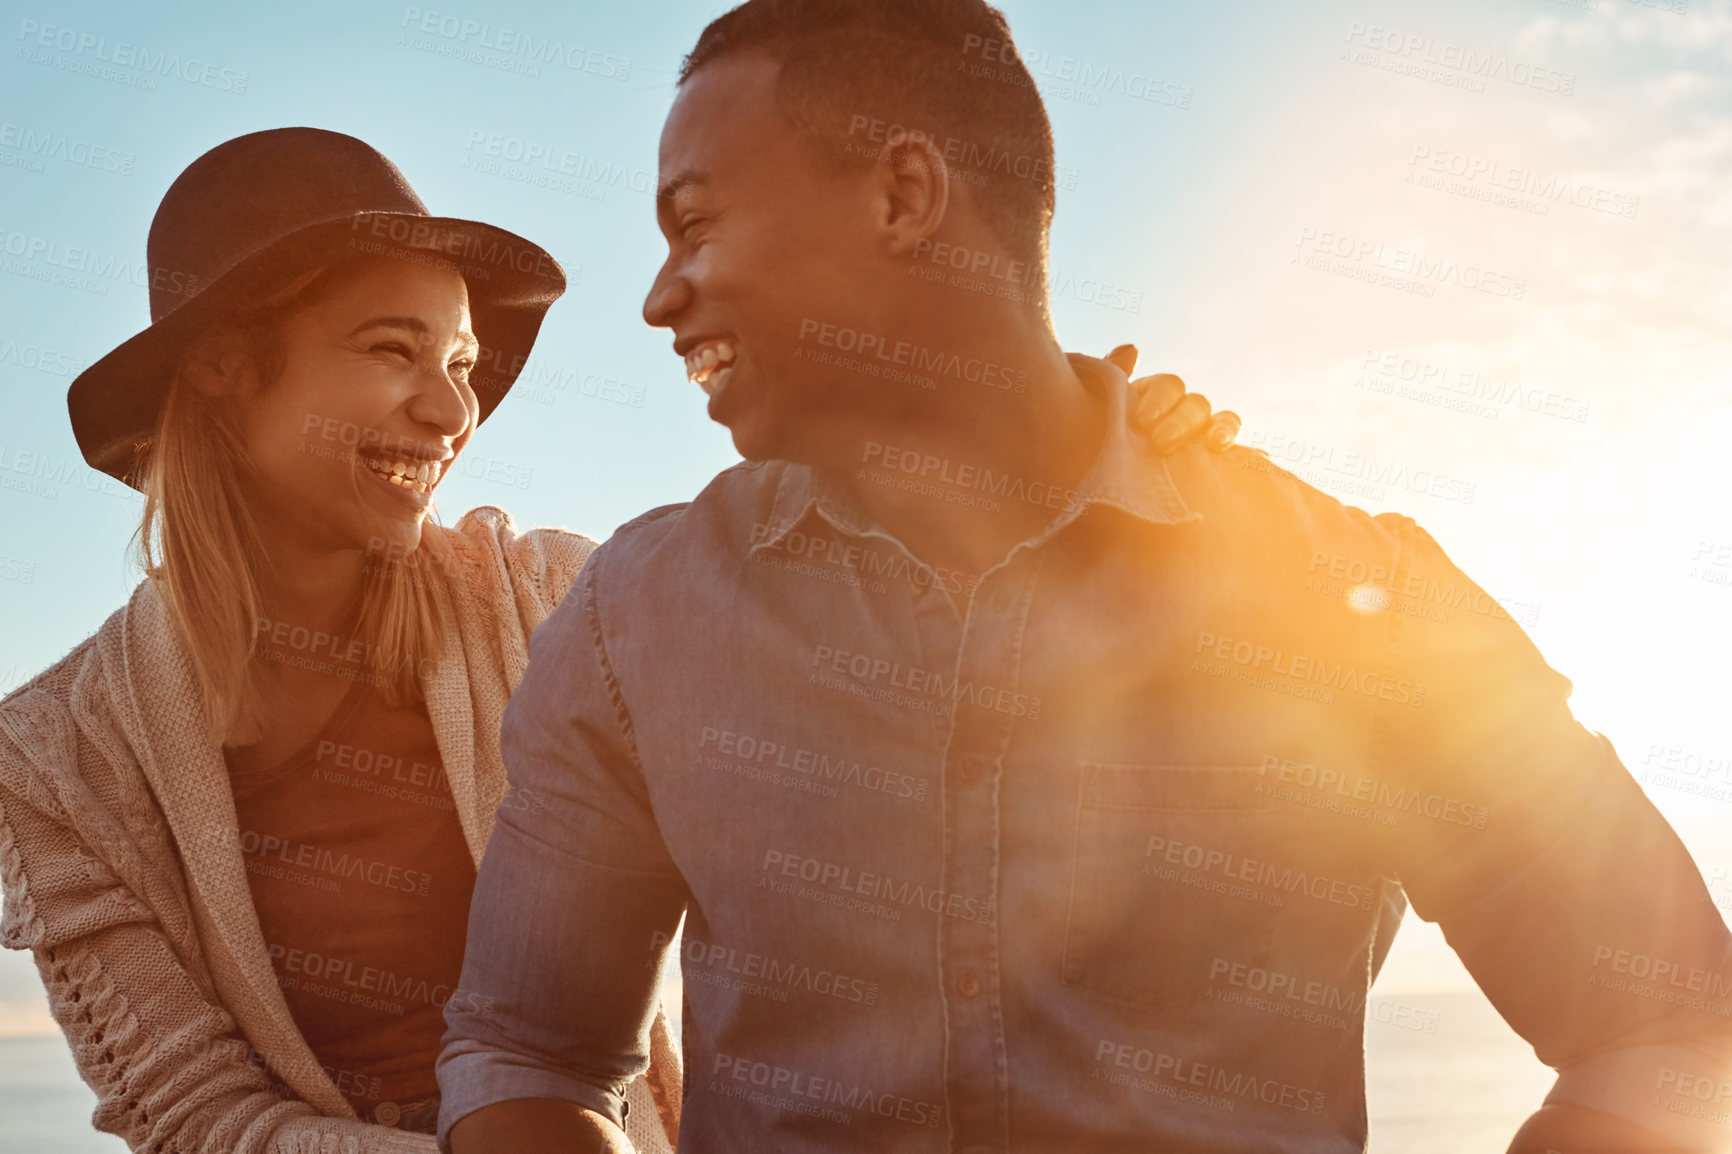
(970, 770)
(968, 985)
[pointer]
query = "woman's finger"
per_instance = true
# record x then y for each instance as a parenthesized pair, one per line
(1160, 393)
(1186, 418)
(1223, 431)
(1125, 357)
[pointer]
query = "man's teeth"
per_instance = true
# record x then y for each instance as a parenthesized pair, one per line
(709, 365)
(419, 476)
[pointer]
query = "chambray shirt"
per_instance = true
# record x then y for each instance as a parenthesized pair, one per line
(1106, 859)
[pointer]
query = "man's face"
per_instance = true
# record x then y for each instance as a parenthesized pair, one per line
(764, 244)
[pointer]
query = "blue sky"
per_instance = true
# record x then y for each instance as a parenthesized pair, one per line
(1464, 259)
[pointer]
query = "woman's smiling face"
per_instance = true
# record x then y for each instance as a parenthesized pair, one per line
(372, 404)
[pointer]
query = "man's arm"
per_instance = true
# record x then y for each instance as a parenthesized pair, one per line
(1573, 878)
(541, 1124)
(1560, 1127)
(575, 902)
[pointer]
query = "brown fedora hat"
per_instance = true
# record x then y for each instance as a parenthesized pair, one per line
(256, 210)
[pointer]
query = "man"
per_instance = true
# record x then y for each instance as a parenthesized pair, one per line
(1019, 791)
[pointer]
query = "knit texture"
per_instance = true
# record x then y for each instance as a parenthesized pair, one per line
(122, 871)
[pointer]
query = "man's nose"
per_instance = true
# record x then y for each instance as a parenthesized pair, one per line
(668, 297)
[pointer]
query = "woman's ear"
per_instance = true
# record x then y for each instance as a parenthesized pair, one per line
(214, 362)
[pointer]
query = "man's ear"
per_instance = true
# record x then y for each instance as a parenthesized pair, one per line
(915, 184)
(214, 362)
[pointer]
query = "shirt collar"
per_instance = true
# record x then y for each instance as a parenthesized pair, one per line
(1126, 475)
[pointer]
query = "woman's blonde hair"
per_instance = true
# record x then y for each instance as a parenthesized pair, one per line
(199, 542)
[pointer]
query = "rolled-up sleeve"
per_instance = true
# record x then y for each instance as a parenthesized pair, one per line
(1569, 898)
(576, 898)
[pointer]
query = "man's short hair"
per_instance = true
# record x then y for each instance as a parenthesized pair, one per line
(856, 74)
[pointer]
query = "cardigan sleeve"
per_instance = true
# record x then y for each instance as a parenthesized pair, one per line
(537, 566)
(167, 1062)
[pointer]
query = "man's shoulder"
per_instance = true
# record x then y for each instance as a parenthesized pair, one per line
(1244, 494)
(1267, 530)
(721, 521)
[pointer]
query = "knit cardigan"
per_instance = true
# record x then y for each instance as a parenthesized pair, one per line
(123, 872)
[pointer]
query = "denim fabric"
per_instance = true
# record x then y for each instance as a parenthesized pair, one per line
(1105, 859)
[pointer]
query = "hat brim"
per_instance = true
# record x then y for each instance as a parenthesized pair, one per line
(512, 282)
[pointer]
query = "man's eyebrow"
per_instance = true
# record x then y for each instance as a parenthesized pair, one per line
(674, 185)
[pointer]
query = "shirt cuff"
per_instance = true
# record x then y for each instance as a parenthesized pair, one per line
(1675, 1091)
(469, 1081)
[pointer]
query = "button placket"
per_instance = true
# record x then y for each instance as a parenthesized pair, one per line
(976, 1073)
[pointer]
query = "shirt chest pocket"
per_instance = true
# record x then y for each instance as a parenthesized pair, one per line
(1177, 869)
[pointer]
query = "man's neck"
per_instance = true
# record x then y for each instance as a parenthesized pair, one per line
(934, 477)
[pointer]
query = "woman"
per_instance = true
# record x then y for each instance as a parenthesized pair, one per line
(239, 825)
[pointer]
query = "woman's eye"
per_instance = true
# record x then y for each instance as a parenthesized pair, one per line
(461, 369)
(397, 348)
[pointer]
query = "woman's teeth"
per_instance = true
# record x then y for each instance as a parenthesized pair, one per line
(710, 365)
(417, 476)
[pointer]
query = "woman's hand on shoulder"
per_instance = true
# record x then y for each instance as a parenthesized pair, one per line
(1167, 415)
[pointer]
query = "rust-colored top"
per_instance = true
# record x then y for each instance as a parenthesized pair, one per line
(362, 879)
